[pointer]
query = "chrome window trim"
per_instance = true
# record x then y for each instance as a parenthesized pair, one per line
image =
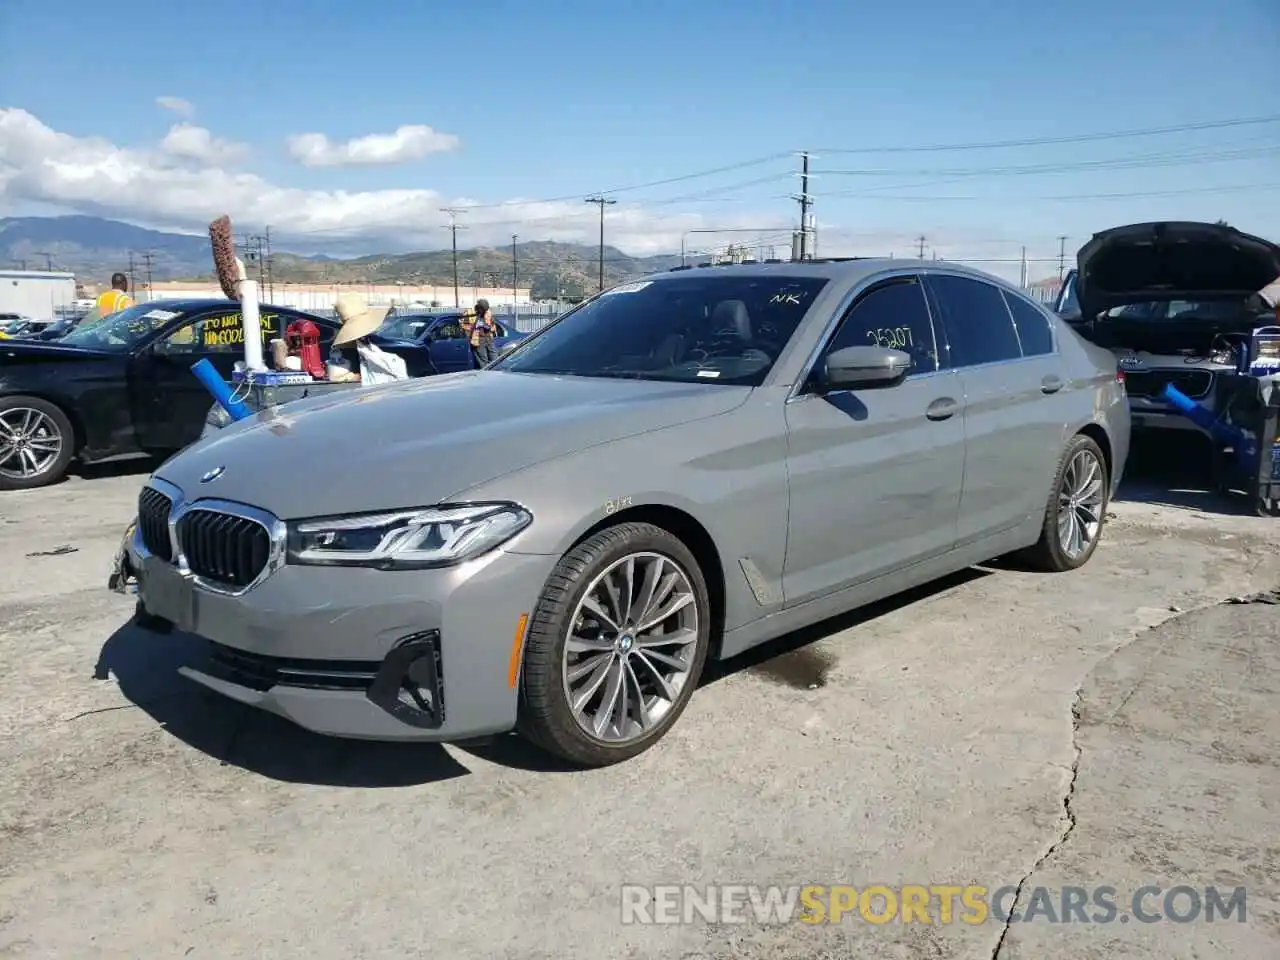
(277, 535)
(842, 307)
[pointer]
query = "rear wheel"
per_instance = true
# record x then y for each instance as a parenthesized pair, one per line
(1076, 511)
(616, 645)
(36, 443)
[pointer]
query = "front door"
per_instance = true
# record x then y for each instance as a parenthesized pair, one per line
(875, 475)
(169, 404)
(449, 347)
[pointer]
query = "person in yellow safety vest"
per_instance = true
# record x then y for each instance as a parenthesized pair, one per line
(115, 299)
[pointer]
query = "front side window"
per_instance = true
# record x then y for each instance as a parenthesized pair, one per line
(979, 325)
(701, 327)
(217, 333)
(896, 316)
(449, 330)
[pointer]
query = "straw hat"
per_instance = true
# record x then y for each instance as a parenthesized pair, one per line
(358, 318)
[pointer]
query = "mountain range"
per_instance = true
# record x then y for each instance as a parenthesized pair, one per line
(93, 248)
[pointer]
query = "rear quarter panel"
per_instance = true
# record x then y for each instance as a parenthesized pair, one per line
(1093, 368)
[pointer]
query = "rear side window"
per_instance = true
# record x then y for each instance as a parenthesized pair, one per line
(979, 325)
(1033, 328)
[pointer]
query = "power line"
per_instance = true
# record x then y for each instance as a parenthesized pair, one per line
(48, 259)
(602, 202)
(1116, 163)
(1074, 138)
(1129, 195)
(683, 178)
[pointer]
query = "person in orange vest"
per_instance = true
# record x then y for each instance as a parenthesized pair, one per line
(117, 298)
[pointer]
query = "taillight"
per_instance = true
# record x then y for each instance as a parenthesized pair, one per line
(1120, 375)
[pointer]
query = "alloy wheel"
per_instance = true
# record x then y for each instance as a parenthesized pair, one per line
(30, 443)
(631, 644)
(1080, 503)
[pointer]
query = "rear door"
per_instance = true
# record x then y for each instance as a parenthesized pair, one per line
(874, 475)
(1015, 388)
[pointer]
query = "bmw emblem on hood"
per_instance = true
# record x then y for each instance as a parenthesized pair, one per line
(213, 474)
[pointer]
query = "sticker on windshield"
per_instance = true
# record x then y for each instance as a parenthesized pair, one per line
(634, 287)
(161, 315)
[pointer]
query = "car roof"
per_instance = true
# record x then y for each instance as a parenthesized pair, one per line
(841, 269)
(191, 305)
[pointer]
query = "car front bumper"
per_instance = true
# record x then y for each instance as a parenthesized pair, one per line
(366, 654)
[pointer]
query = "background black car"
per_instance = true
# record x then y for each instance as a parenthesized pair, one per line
(124, 386)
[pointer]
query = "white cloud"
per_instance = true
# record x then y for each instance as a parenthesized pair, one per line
(39, 165)
(406, 144)
(188, 142)
(183, 108)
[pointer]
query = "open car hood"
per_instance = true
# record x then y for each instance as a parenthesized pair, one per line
(1152, 262)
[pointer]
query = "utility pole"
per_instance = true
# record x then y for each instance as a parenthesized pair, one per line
(1062, 257)
(515, 276)
(602, 202)
(271, 284)
(147, 257)
(48, 259)
(453, 230)
(133, 283)
(1024, 268)
(806, 202)
(920, 240)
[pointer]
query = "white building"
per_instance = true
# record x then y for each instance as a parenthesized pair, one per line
(321, 297)
(39, 294)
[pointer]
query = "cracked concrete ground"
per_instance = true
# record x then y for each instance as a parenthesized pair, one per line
(1114, 726)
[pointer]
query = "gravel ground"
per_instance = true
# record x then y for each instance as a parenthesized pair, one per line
(1114, 726)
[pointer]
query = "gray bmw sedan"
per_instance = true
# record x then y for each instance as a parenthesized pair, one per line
(680, 468)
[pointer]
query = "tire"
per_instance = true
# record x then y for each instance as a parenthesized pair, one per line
(1049, 553)
(42, 424)
(546, 713)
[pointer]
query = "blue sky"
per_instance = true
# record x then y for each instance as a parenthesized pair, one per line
(566, 98)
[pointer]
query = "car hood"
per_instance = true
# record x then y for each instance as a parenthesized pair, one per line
(1149, 262)
(35, 350)
(422, 441)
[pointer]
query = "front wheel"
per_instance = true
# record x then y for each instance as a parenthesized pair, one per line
(616, 645)
(36, 443)
(1076, 511)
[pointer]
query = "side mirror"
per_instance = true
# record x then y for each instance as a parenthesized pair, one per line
(865, 367)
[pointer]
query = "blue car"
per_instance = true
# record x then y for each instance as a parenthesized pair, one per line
(435, 343)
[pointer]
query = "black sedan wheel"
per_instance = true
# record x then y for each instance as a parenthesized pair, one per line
(36, 443)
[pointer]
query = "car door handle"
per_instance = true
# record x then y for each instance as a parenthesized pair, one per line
(1050, 384)
(942, 409)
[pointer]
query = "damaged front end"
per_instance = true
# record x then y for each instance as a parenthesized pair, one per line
(123, 578)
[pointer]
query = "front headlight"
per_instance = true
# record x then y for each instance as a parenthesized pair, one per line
(407, 539)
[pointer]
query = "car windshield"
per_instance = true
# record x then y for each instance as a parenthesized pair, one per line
(405, 327)
(122, 330)
(702, 327)
(1175, 311)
